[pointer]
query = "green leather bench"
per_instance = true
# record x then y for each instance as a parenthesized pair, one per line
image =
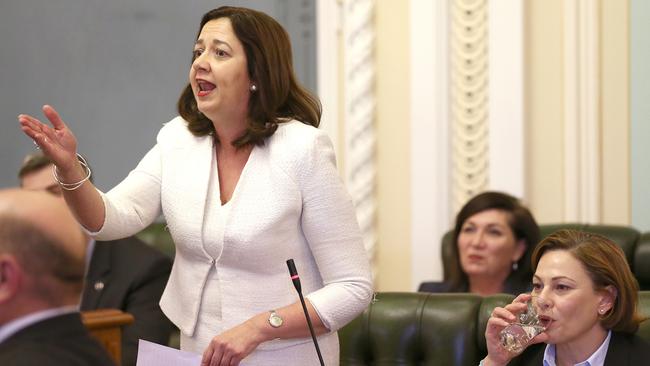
(428, 329)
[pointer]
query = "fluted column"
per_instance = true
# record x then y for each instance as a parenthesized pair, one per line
(359, 85)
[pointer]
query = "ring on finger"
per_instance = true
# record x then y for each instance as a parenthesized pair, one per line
(36, 144)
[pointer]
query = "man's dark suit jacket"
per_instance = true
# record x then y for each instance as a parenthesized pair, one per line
(59, 341)
(624, 350)
(129, 275)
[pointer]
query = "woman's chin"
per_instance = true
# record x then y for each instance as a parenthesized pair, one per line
(475, 271)
(204, 108)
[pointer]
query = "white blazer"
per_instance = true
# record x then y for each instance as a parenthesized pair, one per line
(289, 203)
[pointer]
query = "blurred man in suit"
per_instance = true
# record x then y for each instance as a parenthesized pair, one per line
(123, 274)
(41, 278)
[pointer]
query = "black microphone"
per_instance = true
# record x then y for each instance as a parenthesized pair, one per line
(296, 283)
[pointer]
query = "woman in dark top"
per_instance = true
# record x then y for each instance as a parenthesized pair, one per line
(494, 236)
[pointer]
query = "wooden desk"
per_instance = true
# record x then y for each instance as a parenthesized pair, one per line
(106, 326)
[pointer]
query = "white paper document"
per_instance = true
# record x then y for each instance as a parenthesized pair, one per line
(153, 354)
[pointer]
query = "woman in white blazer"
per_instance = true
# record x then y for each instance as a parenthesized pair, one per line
(245, 181)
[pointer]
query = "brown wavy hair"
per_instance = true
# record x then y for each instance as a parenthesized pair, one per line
(279, 96)
(606, 265)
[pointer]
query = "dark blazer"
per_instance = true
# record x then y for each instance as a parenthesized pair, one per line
(59, 341)
(512, 286)
(624, 350)
(435, 287)
(129, 275)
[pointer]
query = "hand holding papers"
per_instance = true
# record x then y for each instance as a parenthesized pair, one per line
(152, 354)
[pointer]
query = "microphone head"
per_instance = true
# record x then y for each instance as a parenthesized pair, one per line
(292, 268)
(294, 275)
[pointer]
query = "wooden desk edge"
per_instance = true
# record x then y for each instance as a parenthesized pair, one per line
(101, 318)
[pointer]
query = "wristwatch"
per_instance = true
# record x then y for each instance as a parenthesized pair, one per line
(275, 320)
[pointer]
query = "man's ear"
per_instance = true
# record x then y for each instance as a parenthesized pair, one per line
(11, 277)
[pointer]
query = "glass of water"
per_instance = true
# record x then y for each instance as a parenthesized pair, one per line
(516, 336)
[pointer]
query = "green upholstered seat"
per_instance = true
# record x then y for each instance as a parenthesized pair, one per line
(429, 329)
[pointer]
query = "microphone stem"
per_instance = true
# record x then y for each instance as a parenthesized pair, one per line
(311, 328)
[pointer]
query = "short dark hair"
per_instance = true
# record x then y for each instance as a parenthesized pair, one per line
(521, 222)
(279, 96)
(35, 162)
(606, 265)
(43, 257)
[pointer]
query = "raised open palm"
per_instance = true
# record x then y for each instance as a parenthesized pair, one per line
(57, 142)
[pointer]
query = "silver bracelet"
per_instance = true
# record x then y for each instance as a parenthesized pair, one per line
(76, 185)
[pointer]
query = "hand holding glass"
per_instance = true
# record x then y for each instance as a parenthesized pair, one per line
(516, 336)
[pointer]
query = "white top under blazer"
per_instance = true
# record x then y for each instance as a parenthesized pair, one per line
(289, 202)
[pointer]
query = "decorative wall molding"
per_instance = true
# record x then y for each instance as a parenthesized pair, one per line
(582, 135)
(469, 99)
(430, 136)
(359, 84)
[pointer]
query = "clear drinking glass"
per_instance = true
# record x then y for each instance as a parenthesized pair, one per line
(516, 336)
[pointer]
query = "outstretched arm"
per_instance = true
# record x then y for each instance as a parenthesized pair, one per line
(60, 145)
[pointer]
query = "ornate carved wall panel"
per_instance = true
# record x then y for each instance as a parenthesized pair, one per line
(359, 74)
(469, 99)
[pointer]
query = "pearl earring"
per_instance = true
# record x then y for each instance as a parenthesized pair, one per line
(253, 88)
(515, 266)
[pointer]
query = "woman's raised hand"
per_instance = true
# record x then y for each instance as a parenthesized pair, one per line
(499, 319)
(57, 142)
